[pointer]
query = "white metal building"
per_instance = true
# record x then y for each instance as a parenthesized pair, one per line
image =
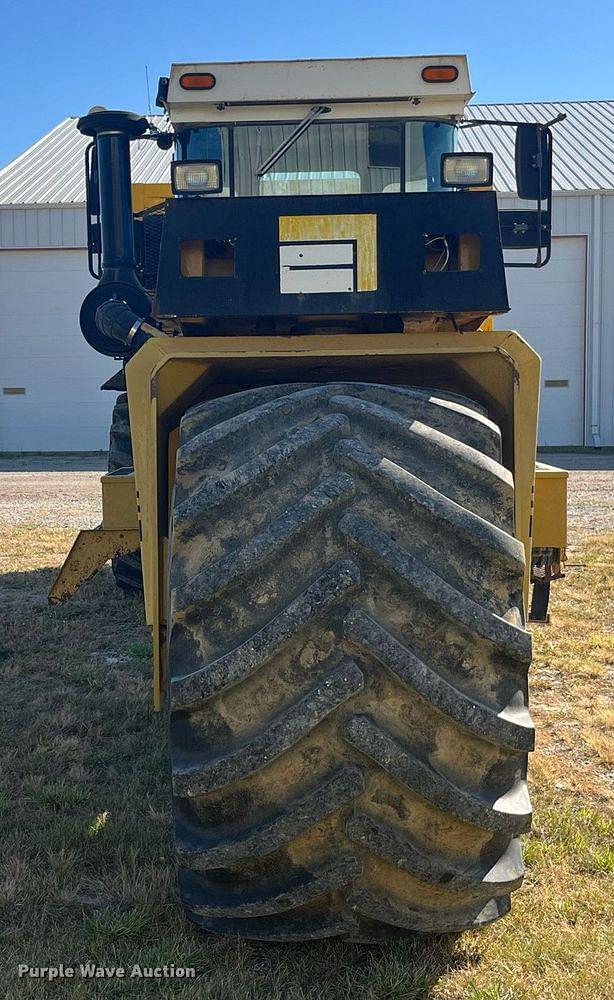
(50, 378)
(566, 310)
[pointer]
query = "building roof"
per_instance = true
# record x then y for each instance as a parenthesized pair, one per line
(583, 144)
(51, 172)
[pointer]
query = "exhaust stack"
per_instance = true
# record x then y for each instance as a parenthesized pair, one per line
(112, 132)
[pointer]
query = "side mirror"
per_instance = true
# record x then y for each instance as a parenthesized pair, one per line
(533, 162)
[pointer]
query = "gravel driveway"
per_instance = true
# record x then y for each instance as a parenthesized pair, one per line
(65, 492)
(590, 508)
(60, 491)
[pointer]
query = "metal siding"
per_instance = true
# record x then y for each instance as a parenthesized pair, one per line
(42, 227)
(573, 216)
(548, 309)
(41, 349)
(607, 323)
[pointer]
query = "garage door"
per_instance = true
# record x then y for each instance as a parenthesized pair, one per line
(548, 310)
(50, 398)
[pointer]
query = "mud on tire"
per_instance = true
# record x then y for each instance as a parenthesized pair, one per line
(348, 665)
(126, 569)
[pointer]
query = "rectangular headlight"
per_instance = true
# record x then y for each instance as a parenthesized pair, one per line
(466, 169)
(196, 176)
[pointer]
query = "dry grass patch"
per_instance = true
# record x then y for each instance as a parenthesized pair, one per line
(573, 676)
(86, 869)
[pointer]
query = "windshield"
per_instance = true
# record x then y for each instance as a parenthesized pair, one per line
(375, 157)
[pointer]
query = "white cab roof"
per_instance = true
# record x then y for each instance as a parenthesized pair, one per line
(390, 86)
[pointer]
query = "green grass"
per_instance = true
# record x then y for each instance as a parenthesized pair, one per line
(60, 796)
(574, 834)
(87, 870)
(139, 650)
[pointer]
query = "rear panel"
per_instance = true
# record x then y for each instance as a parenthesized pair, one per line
(332, 255)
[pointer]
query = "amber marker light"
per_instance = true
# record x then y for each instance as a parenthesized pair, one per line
(197, 81)
(440, 74)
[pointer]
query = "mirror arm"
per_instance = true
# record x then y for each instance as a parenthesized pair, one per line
(475, 122)
(554, 121)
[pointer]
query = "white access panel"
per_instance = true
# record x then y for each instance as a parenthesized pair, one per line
(313, 267)
(42, 351)
(548, 309)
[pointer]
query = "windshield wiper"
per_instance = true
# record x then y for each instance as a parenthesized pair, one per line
(287, 144)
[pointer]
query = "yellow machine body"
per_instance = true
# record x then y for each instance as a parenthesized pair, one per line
(550, 514)
(145, 196)
(117, 535)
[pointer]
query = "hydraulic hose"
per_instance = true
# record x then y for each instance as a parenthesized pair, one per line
(115, 319)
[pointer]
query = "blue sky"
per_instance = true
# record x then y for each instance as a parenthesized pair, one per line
(60, 58)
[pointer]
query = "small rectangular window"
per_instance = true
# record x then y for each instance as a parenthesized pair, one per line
(384, 144)
(451, 252)
(207, 258)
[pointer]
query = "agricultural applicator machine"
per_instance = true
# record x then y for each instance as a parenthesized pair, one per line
(332, 490)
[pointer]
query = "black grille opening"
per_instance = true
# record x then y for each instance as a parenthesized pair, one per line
(147, 237)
